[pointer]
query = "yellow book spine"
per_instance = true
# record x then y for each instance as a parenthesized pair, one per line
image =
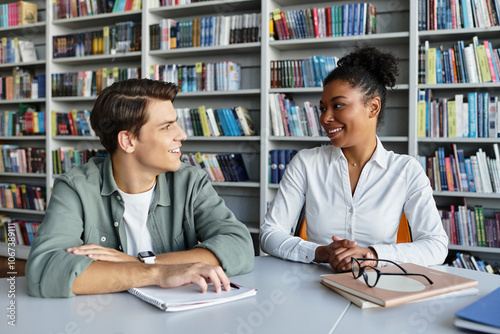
(422, 111)
(483, 64)
(204, 121)
(431, 66)
(36, 125)
(54, 123)
(452, 119)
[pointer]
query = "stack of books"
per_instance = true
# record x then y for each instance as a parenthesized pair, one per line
(300, 73)
(202, 77)
(478, 173)
(14, 159)
(474, 62)
(24, 231)
(219, 167)
(65, 158)
(435, 14)
(392, 290)
(288, 119)
(208, 122)
(341, 20)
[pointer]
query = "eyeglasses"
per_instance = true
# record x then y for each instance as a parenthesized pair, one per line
(372, 275)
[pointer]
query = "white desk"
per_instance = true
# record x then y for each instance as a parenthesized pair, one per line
(290, 299)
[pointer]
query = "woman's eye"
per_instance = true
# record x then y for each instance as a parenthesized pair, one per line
(322, 109)
(337, 105)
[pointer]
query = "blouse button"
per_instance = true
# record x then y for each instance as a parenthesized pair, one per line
(116, 224)
(103, 239)
(119, 198)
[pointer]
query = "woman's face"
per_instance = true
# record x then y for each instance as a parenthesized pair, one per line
(345, 117)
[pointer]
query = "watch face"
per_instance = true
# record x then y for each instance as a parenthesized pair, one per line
(146, 254)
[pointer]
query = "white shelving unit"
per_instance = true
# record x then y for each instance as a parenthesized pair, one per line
(427, 146)
(396, 31)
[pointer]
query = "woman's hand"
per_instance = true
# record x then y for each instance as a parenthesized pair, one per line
(339, 253)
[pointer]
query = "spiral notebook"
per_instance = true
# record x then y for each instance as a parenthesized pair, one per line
(189, 297)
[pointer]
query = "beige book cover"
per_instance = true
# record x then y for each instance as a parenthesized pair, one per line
(397, 289)
(27, 12)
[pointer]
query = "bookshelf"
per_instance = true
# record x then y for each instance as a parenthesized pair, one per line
(425, 145)
(397, 30)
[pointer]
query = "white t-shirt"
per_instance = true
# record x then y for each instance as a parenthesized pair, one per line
(135, 218)
(389, 185)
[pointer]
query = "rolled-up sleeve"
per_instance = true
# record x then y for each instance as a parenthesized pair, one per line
(220, 231)
(50, 269)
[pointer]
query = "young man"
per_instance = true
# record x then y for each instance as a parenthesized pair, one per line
(140, 198)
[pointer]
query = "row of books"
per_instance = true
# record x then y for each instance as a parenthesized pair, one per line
(453, 172)
(169, 3)
(15, 50)
(24, 122)
(471, 262)
(470, 115)
(24, 231)
(205, 31)
(73, 123)
(18, 13)
(22, 85)
(475, 63)
(21, 196)
(65, 9)
(288, 119)
(201, 77)
(457, 14)
(278, 160)
(219, 167)
(342, 20)
(470, 227)
(299, 73)
(65, 158)
(208, 122)
(14, 159)
(90, 83)
(122, 37)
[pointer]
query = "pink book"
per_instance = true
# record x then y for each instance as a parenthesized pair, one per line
(315, 20)
(490, 61)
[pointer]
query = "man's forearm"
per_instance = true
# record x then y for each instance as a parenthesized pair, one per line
(189, 256)
(106, 277)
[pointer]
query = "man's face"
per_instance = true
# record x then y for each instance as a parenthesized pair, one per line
(159, 141)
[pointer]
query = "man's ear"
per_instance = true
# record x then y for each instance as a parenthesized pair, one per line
(126, 141)
(375, 105)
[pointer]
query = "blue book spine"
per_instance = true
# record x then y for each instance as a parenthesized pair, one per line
(439, 67)
(274, 166)
(486, 114)
(356, 19)
(480, 115)
(470, 175)
(345, 19)
(472, 114)
(465, 14)
(222, 121)
(442, 169)
(281, 164)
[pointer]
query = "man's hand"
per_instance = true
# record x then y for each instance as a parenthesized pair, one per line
(102, 253)
(170, 276)
(338, 254)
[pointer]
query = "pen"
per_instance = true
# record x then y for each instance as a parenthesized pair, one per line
(232, 285)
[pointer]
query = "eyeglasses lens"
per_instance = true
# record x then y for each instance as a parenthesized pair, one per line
(370, 275)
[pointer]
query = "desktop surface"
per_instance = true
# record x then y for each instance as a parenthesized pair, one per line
(290, 299)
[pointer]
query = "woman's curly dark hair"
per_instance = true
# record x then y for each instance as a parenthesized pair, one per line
(368, 70)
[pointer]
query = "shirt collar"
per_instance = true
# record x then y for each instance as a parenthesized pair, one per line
(379, 156)
(162, 195)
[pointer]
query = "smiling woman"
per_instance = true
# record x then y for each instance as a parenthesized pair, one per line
(355, 191)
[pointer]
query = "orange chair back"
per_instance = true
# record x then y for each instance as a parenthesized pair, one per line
(404, 233)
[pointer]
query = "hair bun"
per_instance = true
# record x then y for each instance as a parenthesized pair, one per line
(382, 66)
